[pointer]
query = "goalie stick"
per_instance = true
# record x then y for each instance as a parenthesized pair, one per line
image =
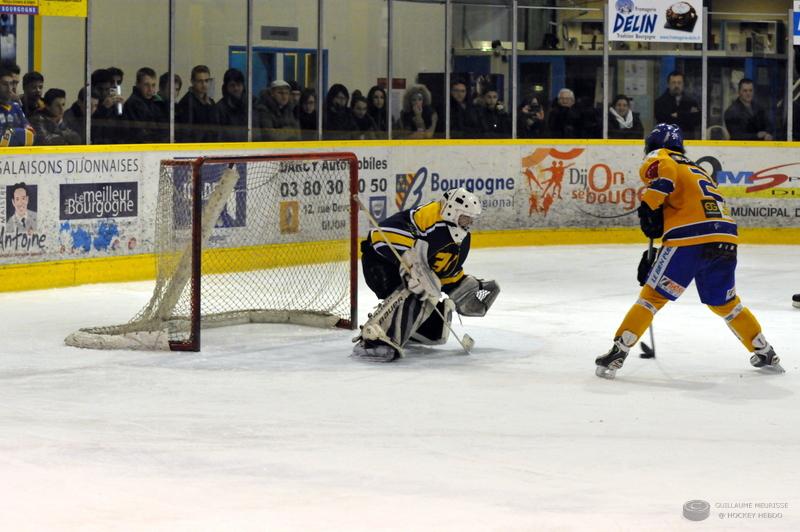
(467, 343)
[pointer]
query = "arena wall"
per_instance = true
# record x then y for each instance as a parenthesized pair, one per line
(95, 206)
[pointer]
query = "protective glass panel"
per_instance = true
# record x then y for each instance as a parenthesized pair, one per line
(284, 70)
(207, 33)
(747, 78)
(419, 90)
(355, 42)
(129, 50)
(481, 46)
(560, 73)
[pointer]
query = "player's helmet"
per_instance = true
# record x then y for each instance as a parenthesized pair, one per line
(667, 136)
(460, 208)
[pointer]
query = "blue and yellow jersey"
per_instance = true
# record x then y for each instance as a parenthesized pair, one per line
(445, 257)
(14, 127)
(694, 210)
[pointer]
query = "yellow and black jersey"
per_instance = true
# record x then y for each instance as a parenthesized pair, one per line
(694, 210)
(445, 257)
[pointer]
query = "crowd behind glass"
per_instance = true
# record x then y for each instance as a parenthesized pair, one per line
(286, 111)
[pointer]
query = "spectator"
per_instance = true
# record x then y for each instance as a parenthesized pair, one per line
(163, 88)
(196, 112)
(495, 121)
(275, 113)
(232, 107)
(51, 130)
(338, 121)
(16, 131)
(418, 119)
(32, 88)
(376, 107)
(117, 75)
(12, 67)
(295, 91)
(530, 120)
(75, 116)
(146, 121)
(623, 123)
(365, 125)
(674, 107)
(464, 121)
(107, 125)
(307, 115)
(745, 119)
(566, 120)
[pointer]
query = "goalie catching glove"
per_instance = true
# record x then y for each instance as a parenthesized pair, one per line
(474, 297)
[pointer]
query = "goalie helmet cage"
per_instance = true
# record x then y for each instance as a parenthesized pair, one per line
(246, 239)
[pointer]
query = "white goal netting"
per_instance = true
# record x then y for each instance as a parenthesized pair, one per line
(274, 242)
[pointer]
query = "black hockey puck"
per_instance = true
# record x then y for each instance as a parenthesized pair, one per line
(796, 301)
(696, 510)
(647, 351)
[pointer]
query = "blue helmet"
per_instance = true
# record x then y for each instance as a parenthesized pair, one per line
(667, 136)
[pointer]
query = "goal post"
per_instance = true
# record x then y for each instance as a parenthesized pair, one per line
(246, 239)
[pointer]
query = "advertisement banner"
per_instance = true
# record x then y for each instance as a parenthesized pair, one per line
(56, 8)
(796, 22)
(71, 206)
(655, 20)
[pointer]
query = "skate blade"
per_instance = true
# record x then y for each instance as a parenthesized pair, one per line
(774, 368)
(605, 373)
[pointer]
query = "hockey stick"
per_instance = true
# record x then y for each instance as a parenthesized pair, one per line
(467, 343)
(647, 351)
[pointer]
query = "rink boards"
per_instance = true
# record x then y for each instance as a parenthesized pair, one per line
(95, 207)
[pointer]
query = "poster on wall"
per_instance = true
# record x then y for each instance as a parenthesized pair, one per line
(8, 37)
(655, 20)
(56, 8)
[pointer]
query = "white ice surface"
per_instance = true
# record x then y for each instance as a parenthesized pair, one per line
(275, 428)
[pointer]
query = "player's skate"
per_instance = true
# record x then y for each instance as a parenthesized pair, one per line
(796, 301)
(608, 364)
(765, 357)
(375, 351)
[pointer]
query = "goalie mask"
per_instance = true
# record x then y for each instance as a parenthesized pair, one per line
(460, 209)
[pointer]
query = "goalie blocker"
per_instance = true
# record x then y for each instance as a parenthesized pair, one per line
(434, 240)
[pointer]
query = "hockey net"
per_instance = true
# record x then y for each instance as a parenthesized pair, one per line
(259, 239)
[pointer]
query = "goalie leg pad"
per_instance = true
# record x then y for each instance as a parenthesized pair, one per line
(395, 320)
(433, 331)
(474, 297)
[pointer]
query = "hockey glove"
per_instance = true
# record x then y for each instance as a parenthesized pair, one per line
(644, 267)
(651, 221)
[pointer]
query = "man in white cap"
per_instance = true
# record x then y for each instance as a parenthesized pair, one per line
(275, 118)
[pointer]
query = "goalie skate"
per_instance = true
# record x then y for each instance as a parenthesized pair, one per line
(375, 352)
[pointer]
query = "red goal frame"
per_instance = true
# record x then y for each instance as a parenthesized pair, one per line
(193, 342)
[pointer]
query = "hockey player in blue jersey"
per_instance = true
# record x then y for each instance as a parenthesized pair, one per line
(14, 127)
(434, 242)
